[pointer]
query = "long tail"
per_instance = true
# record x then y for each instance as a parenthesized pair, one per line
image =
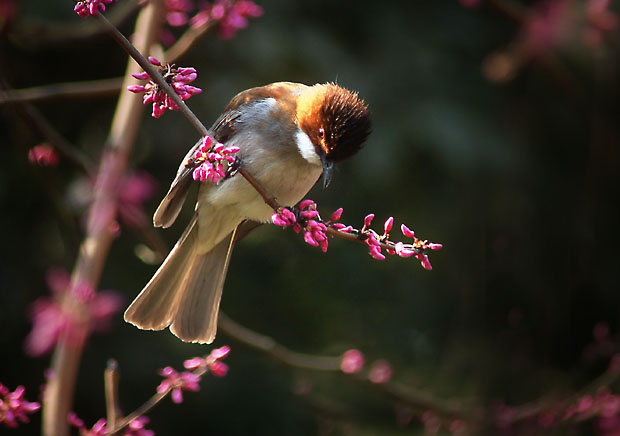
(185, 291)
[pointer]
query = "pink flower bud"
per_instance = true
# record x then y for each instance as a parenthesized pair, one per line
(323, 245)
(220, 353)
(136, 88)
(426, 263)
(194, 363)
(388, 224)
(304, 204)
(402, 251)
(207, 141)
(434, 246)
(141, 76)
(218, 369)
(310, 240)
(368, 220)
(336, 215)
(406, 231)
(231, 149)
(154, 61)
(352, 362)
(375, 252)
(309, 214)
(380, 371)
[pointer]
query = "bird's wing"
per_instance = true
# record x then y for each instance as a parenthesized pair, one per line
(222, 130)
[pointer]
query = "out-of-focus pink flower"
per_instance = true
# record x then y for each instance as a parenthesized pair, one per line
(14, 408)
(458, 427)
(431, 422)
(470, 3)
(178, 382)
(213, 362)
(231, 16)
(380, 371)
(352, 362)
(44, 155)
(178, 11)
(600, 20)
(179, 79)
(137, 427)
(135, 189)
(51, 318)
(86, 8)
(548, 24)
(8, 12)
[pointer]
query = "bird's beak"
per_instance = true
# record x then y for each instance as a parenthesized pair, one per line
(328, 170)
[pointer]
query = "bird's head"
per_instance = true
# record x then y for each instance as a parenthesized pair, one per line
(337, 122)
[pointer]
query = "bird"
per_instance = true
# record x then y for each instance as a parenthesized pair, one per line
(289, 136)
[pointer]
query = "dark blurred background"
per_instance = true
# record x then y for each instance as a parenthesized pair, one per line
(500, 146)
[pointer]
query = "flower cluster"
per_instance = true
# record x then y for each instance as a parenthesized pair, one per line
(417, 248)
(99, 428)
(231, 16)
(178, 78)
(213, 362)
(209, 160)
(178, 382)
(14, 408)
(50, 318)
(306, 217)
(189, 380)
(86, 8)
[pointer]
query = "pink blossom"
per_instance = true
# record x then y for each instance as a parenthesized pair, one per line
(178, 11)
(431, 422)
(133, 191)
(51, 318)
(213, 362)
(209, 160)
(178, 382)
(137, 427)
(458, 427)
(86, 8)
(178, 78)
(380, 371)
(44, 155)
(14, 408)
(230, 16)
(352, 362)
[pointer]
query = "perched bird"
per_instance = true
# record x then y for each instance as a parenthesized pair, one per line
(288, 134)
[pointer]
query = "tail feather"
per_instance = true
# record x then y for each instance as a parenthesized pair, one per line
(200, 293)
(154, 307)
(185, 291)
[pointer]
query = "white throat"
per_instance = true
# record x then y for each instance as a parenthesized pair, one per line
(306, 147)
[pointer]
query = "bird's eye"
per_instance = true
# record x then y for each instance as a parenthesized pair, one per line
(321, 133)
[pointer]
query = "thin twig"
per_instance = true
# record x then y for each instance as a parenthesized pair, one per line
(419, 400)
(154, 74)
(83, 89)
(111, 377)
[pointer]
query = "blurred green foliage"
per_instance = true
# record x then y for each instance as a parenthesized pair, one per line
(519, 181)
